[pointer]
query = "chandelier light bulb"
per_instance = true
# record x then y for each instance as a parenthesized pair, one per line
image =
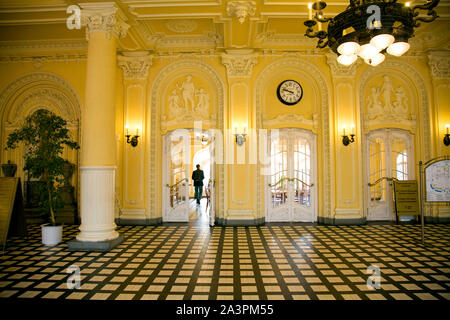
(368, 51)
(376, 60)
(349, 48)
(382, 41)
(347, 60)
(398, 48)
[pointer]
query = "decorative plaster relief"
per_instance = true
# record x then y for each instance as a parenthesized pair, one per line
(187, 102)
(272, 39)
(39, 90)
(38, 61)
(135, 65)
(241, 9)
(239, 63)
(439, 63)
(181, 25)
(102, 18)
(290, 118)
(387, 104)
(339, 70)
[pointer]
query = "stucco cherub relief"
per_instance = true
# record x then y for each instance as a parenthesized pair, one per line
(387, 102)
(186, 100)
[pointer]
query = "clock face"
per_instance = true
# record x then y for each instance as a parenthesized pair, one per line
(289, 92)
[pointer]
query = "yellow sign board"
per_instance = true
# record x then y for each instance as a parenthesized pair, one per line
(406, 197)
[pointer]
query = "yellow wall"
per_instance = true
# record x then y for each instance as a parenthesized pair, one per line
(329, 101)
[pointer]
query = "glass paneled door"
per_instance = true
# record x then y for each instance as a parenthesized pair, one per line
(290, 187)
(390, 155)
(176, 176)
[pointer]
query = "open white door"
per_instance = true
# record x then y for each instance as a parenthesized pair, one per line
(212, 183)
(390, 155)
(175, 176)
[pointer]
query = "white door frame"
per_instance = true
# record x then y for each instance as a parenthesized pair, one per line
(309, 215)
(385, 211)
(212, 182)
(181, 213)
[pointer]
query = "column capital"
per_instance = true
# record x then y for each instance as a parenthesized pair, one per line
(439, 62)
(339, 70)
(103, 17)
(239, 63)
(135, 65)
(241, 9)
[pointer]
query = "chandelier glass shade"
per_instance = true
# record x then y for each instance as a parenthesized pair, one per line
(347, 59)
(368, 28)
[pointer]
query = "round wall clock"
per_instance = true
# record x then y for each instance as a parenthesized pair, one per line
(289, 92)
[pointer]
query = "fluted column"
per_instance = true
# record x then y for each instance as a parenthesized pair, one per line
(98, 149)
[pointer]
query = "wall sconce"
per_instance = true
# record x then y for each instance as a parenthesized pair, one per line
(345, 139)
(240, 136)
(133, 140)
(447, 136)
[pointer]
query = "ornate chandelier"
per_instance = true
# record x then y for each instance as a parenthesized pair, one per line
(368, 28)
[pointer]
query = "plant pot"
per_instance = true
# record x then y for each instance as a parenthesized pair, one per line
(9, 169)
(51, 235)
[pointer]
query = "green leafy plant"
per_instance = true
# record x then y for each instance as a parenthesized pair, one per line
(44, 135)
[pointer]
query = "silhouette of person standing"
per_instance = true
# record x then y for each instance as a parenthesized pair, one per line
(198, 177)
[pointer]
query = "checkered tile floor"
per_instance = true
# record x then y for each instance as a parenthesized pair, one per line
(269, 262)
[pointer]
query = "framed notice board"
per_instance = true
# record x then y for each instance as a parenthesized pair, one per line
(406, 198)
(437, 181)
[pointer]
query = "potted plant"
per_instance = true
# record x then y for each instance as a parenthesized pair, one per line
(45, 135)
(9, 169)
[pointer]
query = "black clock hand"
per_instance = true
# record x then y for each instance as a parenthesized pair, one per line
(288, 91)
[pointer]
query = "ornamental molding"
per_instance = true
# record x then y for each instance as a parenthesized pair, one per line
(208, 39)
(241, 9)
(135, 65)
(430, 40)
(239, 63)
(181, 25)
(103, 17)
(161, 40)
(40, 90)
(14, 47)
(270, 38)
(38, 61)
(439, 62)
(186, 121)
(339, 70)
(289, 118)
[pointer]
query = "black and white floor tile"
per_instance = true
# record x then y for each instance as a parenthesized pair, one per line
(271, 262)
